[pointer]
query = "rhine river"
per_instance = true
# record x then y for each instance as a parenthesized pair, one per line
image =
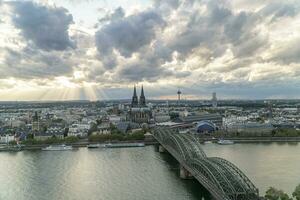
(136, 173)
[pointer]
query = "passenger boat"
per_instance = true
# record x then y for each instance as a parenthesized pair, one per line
(62, 147)
(225, 142)
(11, 148)
(93, 146)
(120, 145)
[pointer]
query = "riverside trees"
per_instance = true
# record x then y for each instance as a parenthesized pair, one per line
(275, 194)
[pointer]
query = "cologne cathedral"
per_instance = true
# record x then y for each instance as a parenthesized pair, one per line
(139, 112)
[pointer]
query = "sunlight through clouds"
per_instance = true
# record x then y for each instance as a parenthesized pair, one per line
(95, 50)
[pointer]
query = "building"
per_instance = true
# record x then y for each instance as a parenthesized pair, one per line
(251, 128)
(104, 128)
(205, 127)
(36, 124)
(114, 119)
(139, 112)
(41, 136)
(179, 96)
(52, 131)
(215, 118)
(214, 101)
(160, 117)
(134, 101)
(79, 129)
(142, 102)
(123, 127)
(6, 138)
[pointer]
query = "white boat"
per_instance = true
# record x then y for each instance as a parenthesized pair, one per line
(62, 147)
(208, 142)
(225, 142)
(93, 146)
(120, 145)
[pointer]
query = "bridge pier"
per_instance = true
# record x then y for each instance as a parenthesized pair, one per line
(185, 174)
(161, 149)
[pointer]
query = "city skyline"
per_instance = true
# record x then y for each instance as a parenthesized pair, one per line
(97, 49)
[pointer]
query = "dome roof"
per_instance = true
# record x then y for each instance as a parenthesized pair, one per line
(205, 126)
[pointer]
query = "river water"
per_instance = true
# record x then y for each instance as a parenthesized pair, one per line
(136, 173)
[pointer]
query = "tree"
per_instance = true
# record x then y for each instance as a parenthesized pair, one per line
(275, 194)
(71, 139)
(66, 130)
(93, 128)
(296, 193)
(29, 136)
(98, 121)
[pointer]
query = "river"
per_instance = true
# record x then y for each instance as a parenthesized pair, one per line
(136, 173)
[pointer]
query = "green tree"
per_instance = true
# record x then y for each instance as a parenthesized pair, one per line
(92, 129)
(31, 141)
(30, 136)
(98, 121)
(66, 131)
(71, 139)
(296, 193)
(174, 115)
(12, 143)
(275, 194)
(139, 135)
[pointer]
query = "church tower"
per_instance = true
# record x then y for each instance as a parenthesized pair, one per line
(134, 101)
(35, 122)
(142, 98)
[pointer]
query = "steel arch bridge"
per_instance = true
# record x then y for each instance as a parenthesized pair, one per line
(220, 177)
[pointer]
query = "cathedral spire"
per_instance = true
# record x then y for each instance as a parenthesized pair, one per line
(142, 92)
(134, 101)
(142, 98)
(134, 91)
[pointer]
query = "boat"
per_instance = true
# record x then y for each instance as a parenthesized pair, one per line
(225, 142)
(120, 145)
(62, 147)
(208, 142)
(11, 148)
(93, 146)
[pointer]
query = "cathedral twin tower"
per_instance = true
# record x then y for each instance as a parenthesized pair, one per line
(135, 102)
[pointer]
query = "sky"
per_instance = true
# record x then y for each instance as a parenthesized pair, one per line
(100, 49)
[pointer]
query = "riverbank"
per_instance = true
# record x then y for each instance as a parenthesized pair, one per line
(265, 140)
(84, 143)
(254, 139)
(75, 145)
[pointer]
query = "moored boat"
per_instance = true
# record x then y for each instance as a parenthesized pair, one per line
(120, 145)
(93, 146)
(62, 147)
(11, 148)
(225, 142)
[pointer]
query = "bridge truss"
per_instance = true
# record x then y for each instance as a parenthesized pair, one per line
(221, 178)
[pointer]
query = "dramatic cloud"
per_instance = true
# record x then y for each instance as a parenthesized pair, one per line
(236, 48)
(46, 27)
(129, 34)
(116, 14)
(32, 64)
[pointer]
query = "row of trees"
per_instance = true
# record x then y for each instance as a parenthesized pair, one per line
(117, 137)
(286, 133)
(274, 133)
(275, 194)
(52, 140)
